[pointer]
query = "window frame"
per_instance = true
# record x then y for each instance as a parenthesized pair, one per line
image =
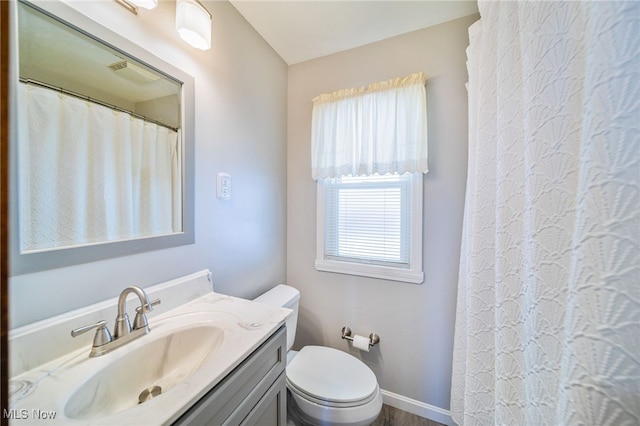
(414, 274)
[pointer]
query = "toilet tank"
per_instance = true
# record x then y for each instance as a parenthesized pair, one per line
(286, 297)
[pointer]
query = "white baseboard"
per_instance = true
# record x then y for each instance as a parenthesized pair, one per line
(417, 407)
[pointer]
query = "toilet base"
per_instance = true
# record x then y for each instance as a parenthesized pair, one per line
(294, 417)
(317, 415)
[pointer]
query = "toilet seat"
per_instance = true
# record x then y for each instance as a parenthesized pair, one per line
(331, 378)
(329, 404)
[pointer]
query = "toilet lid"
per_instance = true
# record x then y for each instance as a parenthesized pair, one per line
(331, 375)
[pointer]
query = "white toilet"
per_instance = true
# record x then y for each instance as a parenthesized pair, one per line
(326, 386)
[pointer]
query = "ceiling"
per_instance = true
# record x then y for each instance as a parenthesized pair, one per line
(300, 30)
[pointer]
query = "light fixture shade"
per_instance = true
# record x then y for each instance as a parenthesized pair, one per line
(146, 4)
(193, 23)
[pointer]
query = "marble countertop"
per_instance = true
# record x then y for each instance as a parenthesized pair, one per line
(40, 395)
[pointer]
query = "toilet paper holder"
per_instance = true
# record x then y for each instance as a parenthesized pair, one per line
(373, 337)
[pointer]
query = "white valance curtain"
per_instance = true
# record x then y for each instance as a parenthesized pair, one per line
(88, 173)
(548, 317)
(378, 129)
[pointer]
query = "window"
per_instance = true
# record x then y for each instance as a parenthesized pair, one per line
(371, 226)
(368, 155)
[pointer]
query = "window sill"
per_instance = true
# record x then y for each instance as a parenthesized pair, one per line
(372, 271)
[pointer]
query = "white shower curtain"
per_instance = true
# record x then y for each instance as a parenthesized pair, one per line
(90, 174)
(548, 314)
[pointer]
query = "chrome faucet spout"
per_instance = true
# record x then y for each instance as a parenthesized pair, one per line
(122, 325)
(103, 341)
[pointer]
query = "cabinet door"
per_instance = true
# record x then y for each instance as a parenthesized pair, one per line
(271, 410)
(233, 399)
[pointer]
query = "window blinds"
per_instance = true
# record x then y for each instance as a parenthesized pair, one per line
(367, 220)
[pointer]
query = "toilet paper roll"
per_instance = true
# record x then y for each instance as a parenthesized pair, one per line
(361, 342)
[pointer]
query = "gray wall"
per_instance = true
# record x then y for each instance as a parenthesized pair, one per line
(415, 322)
(241, 86)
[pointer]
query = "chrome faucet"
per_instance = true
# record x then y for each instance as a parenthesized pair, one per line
(122, 326)
(123, 332)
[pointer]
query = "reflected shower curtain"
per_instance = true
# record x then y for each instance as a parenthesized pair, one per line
(88, 173)
(548, 314)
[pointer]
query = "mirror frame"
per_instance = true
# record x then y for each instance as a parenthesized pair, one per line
(59, 258)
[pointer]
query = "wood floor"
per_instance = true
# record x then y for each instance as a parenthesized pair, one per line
(389, 416)
(393, 417)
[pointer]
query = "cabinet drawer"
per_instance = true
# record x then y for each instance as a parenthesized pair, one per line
(271, 410)
(231, 400)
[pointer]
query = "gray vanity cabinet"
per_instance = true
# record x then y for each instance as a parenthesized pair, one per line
(254, 393)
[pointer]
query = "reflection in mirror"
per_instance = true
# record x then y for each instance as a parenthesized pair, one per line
(101, 144)
(99, 141)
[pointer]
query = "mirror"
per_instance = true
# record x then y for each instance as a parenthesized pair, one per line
(102, 159)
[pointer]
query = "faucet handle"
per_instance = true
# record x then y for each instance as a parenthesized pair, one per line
(141, 319)
(102, 336)
(147, 306)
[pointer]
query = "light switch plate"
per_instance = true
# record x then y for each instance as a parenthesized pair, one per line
(223, 191)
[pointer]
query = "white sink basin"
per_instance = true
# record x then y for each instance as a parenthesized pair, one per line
(189, 350)
(163, 362)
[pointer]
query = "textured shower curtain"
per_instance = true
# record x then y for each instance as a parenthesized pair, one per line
(548, 314)
(90, 174)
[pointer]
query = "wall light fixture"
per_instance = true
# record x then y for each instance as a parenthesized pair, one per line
(193, 23)
(146, 4)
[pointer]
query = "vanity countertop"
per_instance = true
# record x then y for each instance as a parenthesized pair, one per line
(41, 395)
